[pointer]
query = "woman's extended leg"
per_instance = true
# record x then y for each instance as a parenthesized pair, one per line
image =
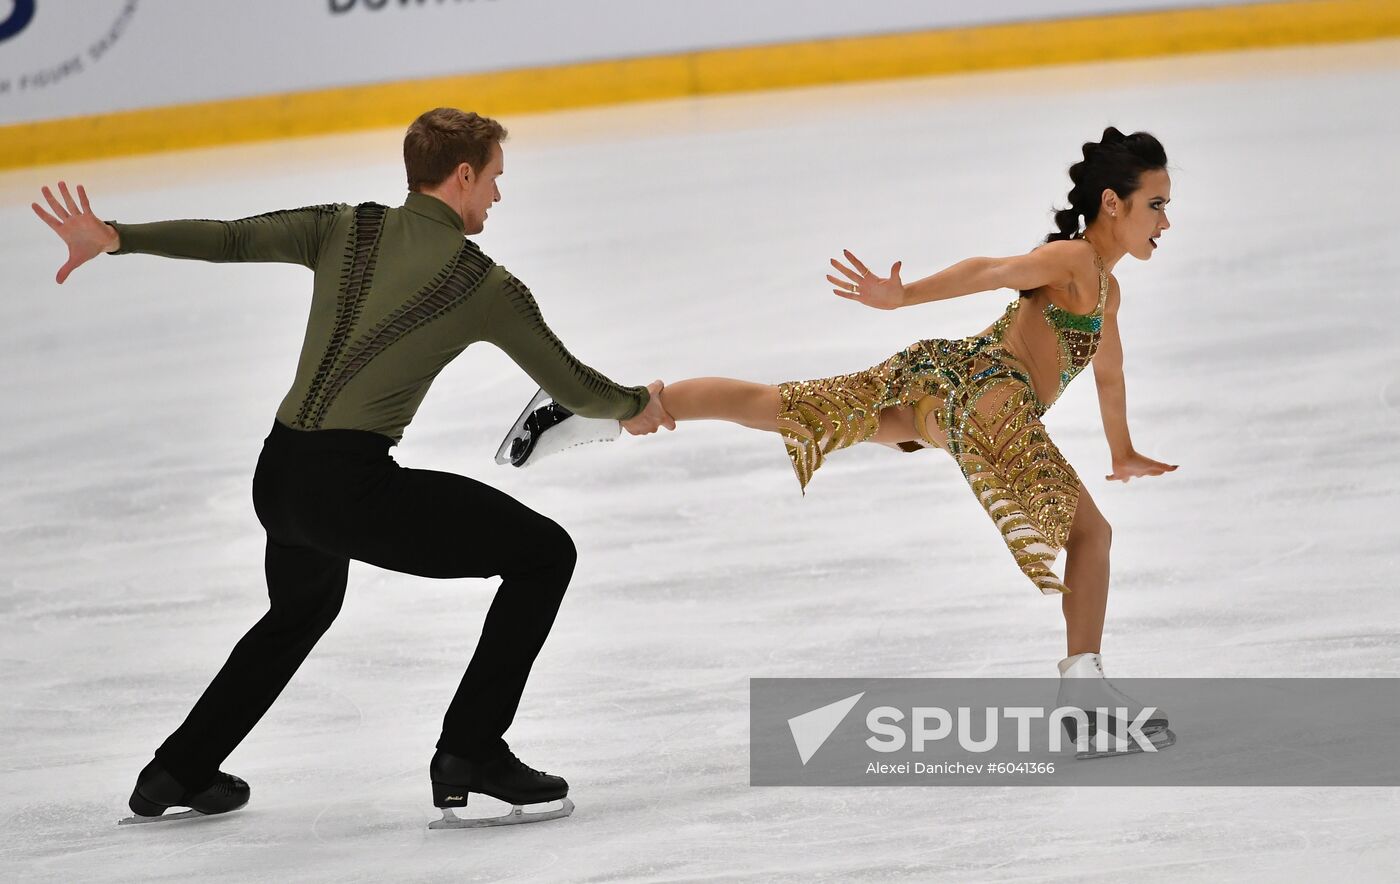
(757, 406)
(725, 399)
(1086, 575)
(813, 417)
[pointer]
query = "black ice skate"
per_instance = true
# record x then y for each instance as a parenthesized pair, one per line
(545, 427)
(157, 791)
(505, 778)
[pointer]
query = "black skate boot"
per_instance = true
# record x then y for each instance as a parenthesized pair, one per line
(156, 791)
(503, 777)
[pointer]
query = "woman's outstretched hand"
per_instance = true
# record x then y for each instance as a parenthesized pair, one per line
(882, 293)
(86, 235)
(1135, 465)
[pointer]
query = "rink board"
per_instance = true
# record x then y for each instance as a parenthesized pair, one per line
(665, 61)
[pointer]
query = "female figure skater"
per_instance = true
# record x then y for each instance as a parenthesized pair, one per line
(981, 398)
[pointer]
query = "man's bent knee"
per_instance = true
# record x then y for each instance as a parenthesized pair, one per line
(552, 548)
(565, 552)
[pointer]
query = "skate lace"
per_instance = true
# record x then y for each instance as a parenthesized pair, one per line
(510, 760)
(225, 786)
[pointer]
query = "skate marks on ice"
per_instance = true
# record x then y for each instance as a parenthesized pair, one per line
(72, 842)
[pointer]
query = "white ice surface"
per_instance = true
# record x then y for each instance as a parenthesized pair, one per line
(690, 238)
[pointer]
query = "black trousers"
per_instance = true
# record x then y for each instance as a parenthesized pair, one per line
(329, 496)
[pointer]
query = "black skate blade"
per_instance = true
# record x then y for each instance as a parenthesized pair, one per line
(518, 815)
(136, 820)
(1161, 739)
(506, 453)
(1115, 725)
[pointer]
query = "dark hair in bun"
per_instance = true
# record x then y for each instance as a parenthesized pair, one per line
(1115, 162)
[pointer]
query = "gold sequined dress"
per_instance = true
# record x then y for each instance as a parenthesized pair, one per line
(982, 399)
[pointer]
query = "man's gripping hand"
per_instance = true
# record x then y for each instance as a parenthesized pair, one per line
(86, 235)
(651, 418)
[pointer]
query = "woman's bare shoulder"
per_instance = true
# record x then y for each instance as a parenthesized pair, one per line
(1080, 293)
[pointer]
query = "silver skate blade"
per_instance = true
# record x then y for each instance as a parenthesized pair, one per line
(516, 816)
(163, 818)
(517, 430)
(1160, 739)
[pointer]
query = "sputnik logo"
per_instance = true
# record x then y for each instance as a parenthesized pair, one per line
(811, 729)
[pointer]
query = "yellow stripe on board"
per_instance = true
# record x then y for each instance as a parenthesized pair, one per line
(808, 63)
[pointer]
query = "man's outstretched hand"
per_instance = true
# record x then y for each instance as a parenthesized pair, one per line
(86, 235)
(651, 418)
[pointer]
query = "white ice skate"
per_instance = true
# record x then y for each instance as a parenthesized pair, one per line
(545, 427)
(517, 815)
(1083, 686)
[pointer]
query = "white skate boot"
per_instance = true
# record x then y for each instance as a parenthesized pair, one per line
(545, 427)
(1109, 710)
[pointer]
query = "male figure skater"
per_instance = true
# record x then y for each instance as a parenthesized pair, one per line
(398, 293)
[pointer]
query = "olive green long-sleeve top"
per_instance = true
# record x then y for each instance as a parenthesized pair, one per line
(398, 293)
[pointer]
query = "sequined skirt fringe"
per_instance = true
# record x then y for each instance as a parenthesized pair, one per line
(983, 403)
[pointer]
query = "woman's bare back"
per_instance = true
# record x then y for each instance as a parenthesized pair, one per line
(1032, 339)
